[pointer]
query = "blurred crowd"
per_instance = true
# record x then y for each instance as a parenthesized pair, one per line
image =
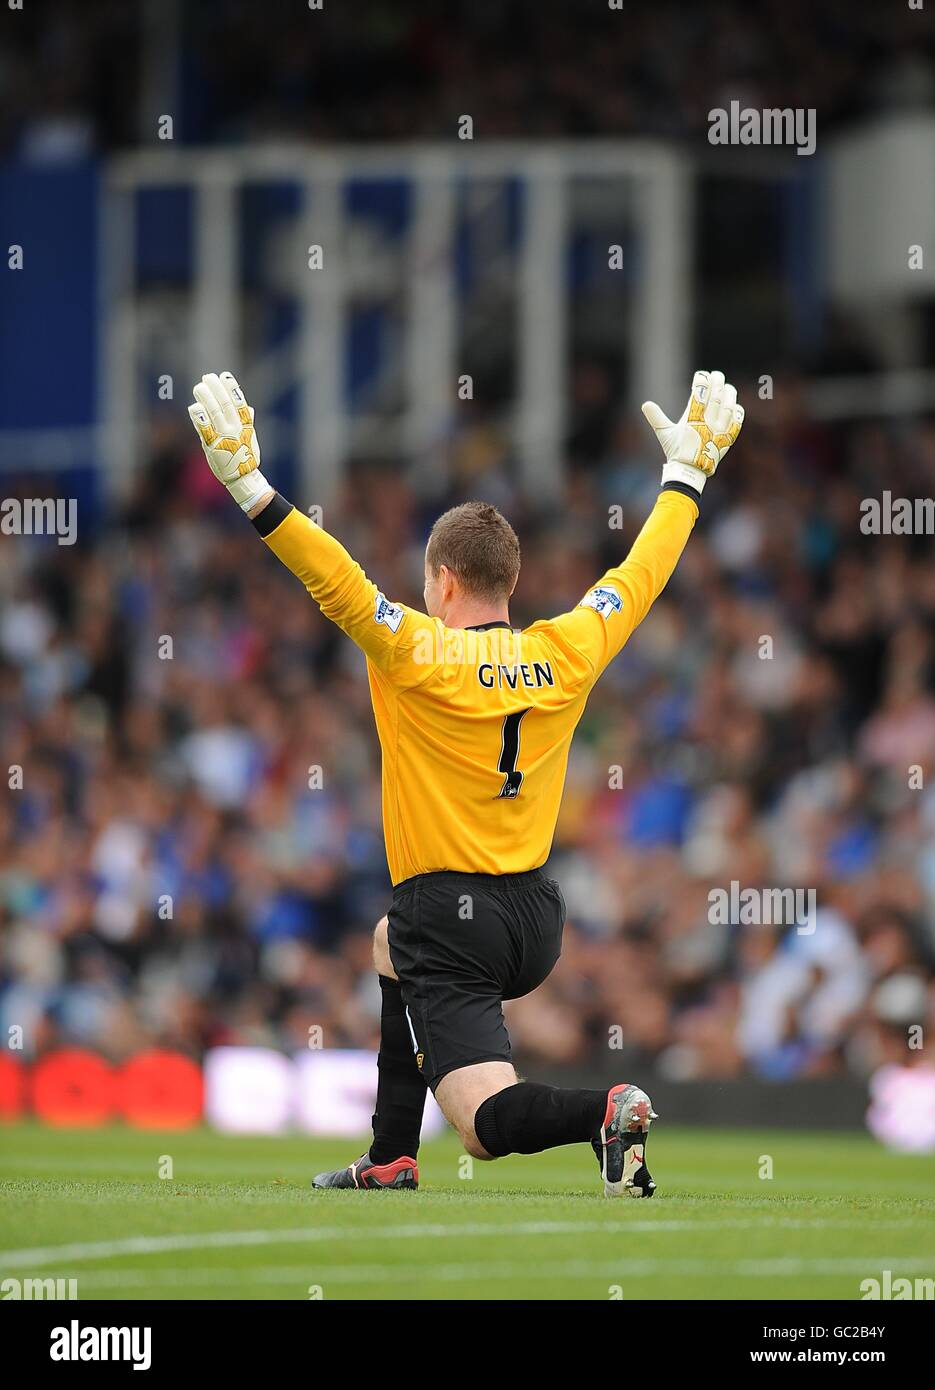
(77, 77)
(190, 846)
(192, 854)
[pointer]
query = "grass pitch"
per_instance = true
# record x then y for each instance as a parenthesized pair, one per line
(238, 1219)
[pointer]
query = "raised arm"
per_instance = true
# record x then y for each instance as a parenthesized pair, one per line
(396, 638)
(592, 634)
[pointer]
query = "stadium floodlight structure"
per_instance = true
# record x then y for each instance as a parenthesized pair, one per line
(521, 204)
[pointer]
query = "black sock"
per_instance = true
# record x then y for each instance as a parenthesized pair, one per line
(397, 1119)
(529, 1117)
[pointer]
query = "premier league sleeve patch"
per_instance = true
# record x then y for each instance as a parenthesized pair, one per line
(603, 600)
(390, 614)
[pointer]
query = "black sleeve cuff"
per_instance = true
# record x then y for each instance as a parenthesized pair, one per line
(684, 489)
(272, 515)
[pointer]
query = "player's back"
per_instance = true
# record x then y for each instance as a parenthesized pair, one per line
(475, 723)
(475, 752)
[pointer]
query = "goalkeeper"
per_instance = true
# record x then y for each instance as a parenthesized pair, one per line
(475, 720)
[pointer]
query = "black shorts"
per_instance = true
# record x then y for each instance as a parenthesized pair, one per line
(461, 944)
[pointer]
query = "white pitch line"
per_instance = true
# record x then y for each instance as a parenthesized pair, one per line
(620, 1270)
(223, 1240)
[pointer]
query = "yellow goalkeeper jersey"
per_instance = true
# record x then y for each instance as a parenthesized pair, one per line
(475, 723)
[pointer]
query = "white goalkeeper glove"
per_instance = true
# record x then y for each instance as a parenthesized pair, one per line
(224, 423)
(695, 444)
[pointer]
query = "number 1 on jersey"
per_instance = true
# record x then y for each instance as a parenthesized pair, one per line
(509, 753)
